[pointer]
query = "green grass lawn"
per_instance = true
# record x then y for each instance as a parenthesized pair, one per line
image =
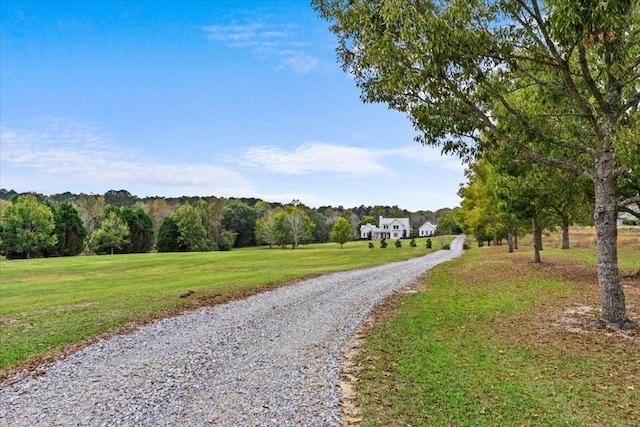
(46, 304)
(487, 343)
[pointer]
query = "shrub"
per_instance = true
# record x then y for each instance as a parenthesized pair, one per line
(466, 246)
(383, 243)
(371, 246)
(446, 246)
(398, 243)
(428, 244)
(227, 240)
(413, 243)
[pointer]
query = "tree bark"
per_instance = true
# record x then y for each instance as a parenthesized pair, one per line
(605, 216)
(515, 239)
(537, 235)
(536, 248)
(565, 231)
(510, 236)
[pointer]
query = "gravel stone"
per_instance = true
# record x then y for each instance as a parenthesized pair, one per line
(269, 360)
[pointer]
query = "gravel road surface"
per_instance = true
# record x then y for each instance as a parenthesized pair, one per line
(269, 360)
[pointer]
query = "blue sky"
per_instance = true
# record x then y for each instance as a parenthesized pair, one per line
(202, 98)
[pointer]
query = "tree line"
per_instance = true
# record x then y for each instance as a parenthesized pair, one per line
(550, 83)
(117, 222)
(504, 199)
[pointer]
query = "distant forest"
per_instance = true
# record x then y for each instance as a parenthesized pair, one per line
(120, 222)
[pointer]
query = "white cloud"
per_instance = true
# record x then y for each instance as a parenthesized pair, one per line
(66, 149)
(430, 155)
(300, 62)
(316, 157)
(246, 35)
(266, 41)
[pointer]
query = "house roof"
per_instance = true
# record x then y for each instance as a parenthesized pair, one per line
(428, 225)
(390, 221)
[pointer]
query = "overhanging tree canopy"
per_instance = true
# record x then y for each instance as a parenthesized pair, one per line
(559, 82)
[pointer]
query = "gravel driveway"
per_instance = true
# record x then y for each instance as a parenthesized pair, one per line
(269, 360)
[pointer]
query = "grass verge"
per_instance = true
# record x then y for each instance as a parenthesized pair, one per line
(47, 305)
(495, 340)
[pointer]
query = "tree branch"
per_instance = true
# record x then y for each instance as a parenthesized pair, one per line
(563, 66)
(486, 122)
(623, 205)
(537, 133)
(591, 84)
(632, 102)
(630, 68)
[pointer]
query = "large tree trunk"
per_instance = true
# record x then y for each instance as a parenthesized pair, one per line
(515, 239)
(605, 216)
(536, 248)
(510, 236)
(565, 231)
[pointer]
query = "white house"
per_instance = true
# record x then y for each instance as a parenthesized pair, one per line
(388, 228)
(622, 216)
(427, 229)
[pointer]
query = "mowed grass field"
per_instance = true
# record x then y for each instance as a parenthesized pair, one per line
(492, 339)
(48, 306)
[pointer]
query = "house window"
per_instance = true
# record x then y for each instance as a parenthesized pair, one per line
(395, 227)
(386, 227)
